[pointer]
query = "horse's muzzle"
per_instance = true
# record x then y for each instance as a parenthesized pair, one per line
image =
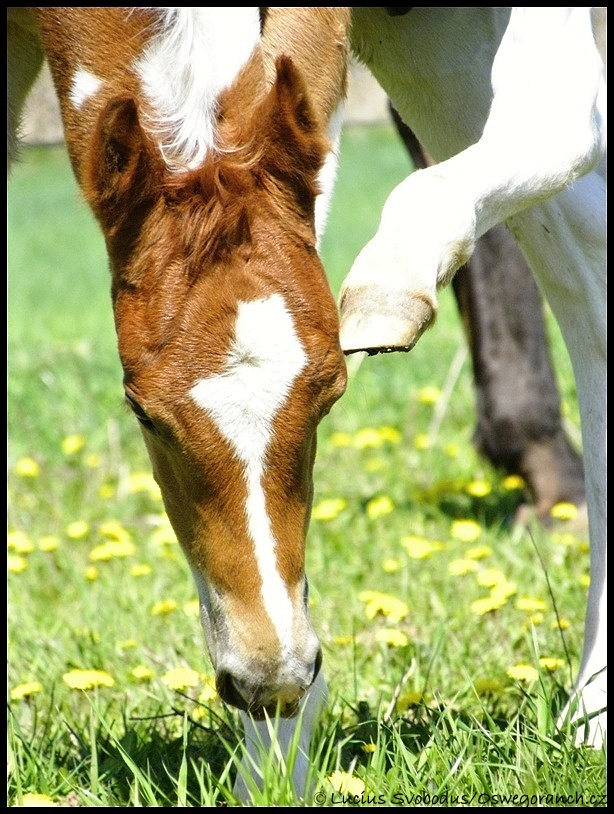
(260, 699)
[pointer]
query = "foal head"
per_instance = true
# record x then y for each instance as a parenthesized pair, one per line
(228, 337)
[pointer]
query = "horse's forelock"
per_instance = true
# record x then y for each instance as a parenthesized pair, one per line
(269, 164)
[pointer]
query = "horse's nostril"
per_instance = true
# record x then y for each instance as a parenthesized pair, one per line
(228, 691)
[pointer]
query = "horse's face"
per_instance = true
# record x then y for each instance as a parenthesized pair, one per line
(228, 337)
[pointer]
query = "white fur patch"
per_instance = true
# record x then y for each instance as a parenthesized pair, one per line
(84, 86)
(197, 54)
(328, 173)
(263, 361)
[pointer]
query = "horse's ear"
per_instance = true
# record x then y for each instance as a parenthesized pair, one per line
(297, 141)
(118, 175)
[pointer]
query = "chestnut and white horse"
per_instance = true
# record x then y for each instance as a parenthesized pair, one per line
(204, 141)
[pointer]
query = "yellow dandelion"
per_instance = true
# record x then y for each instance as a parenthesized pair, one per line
(112, 549)
(487, 604)
(139, 482)
(163, 607)
(391, 565)
(78, 529)
(490, 577)
(379, 506)
(164, 534)
(27, 468)
(478, 552)
(113, 530)
(142, 673)
(429, 395)
(565, 538)
(451, 450)
(561, 624)
(209, 693)
(141, 569)
(390, 435)
(407, 700)
(460, 567)
(550, 663)
(522, 672)
(533, 620)
(34, 800)
(128, 644)
(378, 603)
(530, 604)
(91, 573)
(513, 483)
(25, 690)
(368, 748)
(488, 686)
(465, 530)
(329, 508)
(106, 491)
(375, 465)
(345, 783)
(585, 580)
(418, 548)
(341, 439)
(564, 511)
(192, 608)
(478, 488)
(92, 460)
(391, 636)
(48, 543)
(502, 591)
(367, 438)
(73, 444)
(16, 564)
(19, 542)
(87, 679)
(181, 677)
(422, 441)
(343, 640)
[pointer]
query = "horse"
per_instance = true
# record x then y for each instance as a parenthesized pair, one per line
(517, 133)
(205, 141)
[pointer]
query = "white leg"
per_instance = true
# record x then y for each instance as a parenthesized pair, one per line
(564, 241)
(278, 741)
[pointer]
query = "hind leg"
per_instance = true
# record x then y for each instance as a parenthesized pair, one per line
(519, 423)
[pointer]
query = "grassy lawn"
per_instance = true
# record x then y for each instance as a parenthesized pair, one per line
(446, 655)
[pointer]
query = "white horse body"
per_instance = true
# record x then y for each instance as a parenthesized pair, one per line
(534, 95)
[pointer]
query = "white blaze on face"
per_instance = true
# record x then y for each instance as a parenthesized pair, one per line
(197, 55)
(84, 86)
(263, 361)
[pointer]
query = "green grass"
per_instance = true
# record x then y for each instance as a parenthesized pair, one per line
(433, 714)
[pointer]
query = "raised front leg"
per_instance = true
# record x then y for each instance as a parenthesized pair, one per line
(545, 129)
(519, 424)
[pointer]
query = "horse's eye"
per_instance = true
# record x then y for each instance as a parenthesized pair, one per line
(140, 414)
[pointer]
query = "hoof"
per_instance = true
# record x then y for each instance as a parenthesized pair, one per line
(378, 320)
